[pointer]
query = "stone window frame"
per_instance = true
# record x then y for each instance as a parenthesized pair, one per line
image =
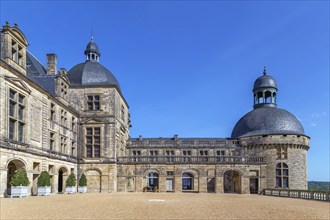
(186, 154)
(281, 153)
(52, 112)
(169, 154)
(17, 54)
(73, 147)
(52, 141)
(95, 146)
(203, 154)
(16, 115)
(136, 154)
(93, 100)
(73, 124)
(64, 118)
(282, 175)
(63, 144)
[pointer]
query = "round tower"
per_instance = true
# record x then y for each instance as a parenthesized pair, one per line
(275, 134)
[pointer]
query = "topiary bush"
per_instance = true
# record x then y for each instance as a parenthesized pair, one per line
(20, 178)
(71, 180)
(83, 180)
(44, 179)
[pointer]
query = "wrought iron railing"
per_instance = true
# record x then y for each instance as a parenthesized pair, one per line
(301, 194)
(191, 159)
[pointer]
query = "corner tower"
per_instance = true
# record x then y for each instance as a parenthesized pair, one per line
(104, 120)
(275, 134)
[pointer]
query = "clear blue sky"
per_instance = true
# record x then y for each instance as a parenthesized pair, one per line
(188, 68)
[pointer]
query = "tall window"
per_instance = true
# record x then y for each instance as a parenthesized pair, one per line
(93, 142)
(16, 115)
(17, 53)
(51, 141)
(153, 155)
(136, 154)
(93, 102)
(73, 124)
(220, 154)
(52, 111)
(63, 145)
(282, 175)
(187, 181)
(64, 118)
(186, 155)
(73, 148)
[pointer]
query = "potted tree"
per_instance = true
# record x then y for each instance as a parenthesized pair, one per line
(82, 184)
(44, 184)
(19, 183)
(71, 184)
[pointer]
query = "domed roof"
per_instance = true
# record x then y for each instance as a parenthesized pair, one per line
(267, 120)
(92, 48)
(265, 81)
(91, 73)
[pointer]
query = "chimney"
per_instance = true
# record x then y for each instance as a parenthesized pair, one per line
(51, 64)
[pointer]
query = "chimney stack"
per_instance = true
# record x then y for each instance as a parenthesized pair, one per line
(51, 64)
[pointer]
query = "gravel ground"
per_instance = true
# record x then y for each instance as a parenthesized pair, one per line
(161, 206)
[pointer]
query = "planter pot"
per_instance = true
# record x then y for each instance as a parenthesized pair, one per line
(70, 189)
(44, 191)
(18, 191)
(82, 189)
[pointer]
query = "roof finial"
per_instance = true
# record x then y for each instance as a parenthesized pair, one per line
(92, 35)
(265, 70)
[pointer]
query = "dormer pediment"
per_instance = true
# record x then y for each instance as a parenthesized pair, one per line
(18, 83)
(92, 121)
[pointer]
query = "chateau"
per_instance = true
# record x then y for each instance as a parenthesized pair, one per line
(78, 121)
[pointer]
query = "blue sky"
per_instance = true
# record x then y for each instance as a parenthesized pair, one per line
(188, 67)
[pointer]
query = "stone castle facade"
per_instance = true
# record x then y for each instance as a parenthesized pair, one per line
(78, 121)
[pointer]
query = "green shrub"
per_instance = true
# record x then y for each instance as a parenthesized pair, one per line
(19, 178)
(44, 179)
(83, 180)
(71, 180)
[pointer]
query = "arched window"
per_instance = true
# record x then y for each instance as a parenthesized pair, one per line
(274, 97)
(187, 181)
(282, 175)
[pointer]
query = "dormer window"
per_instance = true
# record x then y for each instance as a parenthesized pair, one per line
(17, 53)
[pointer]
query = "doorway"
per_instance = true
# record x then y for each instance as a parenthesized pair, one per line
(254, 186)
(232, 181)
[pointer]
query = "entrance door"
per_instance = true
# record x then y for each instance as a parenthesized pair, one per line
(254, 187)
(60, 181)
(169, 185)
(211, 185)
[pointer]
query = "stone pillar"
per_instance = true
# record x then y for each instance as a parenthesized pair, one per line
(3, 182)
(202, 184)
(177, 184)
(106, 184)
(219, 184)
(162, 183)
(138, 183)
(245, 185)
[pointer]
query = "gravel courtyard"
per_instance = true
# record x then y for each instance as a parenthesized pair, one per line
(161, 206)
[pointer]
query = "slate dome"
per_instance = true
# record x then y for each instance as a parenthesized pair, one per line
(264, 81)
(91, 72)
(267, 120)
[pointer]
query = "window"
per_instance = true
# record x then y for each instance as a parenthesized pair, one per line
(122, 113)
(220, 154)
(63, 145)
(204, 154)
(73, 124)
(187, 181)
(170, 173)
(169, 155)
(73, 148)
(93, 102)
(64, 90)
(64, 118)
(282, 175)
(16, 116)
(186, 154)
(52, 111)
(93, 142)
(51, 141)
(17, 53)
(153, 154)
(281, 153)
(136, 153)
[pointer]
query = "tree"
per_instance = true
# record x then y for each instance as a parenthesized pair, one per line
(20, 178)
(44, 179)
(83, 180)
(71, 180)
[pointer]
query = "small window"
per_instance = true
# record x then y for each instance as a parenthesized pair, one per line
(93, 102)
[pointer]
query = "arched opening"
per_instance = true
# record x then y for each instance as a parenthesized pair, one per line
(11, 168)
(152, 181)
(62, 173)
(268, 97)
(260, 97)
(274, 97)
(93, 181)
(187, 181)
(232, 181)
